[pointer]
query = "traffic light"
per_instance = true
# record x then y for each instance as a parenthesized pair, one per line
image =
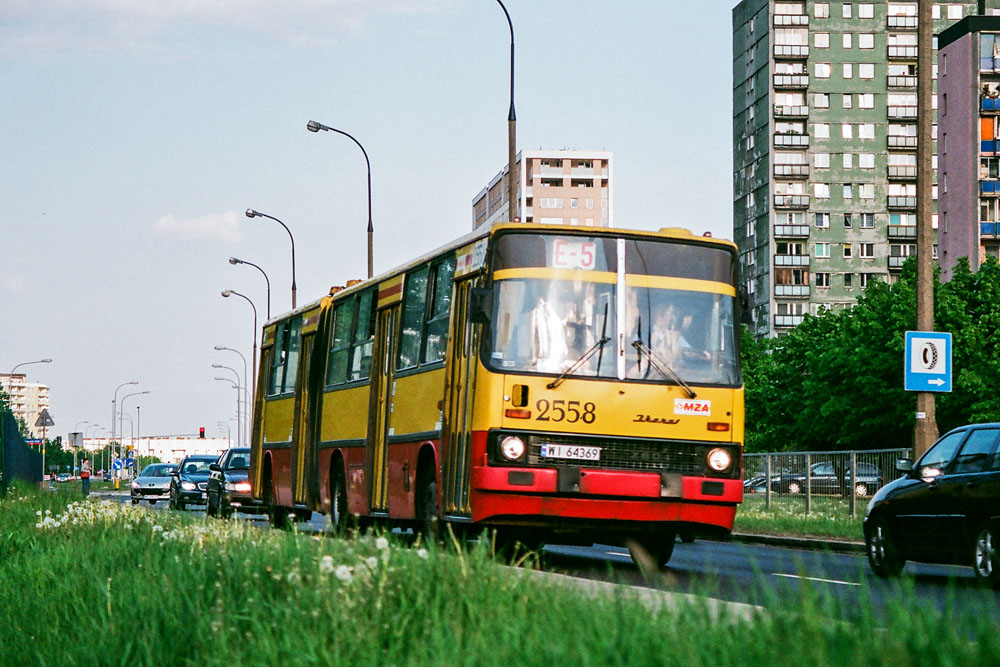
(201, 432)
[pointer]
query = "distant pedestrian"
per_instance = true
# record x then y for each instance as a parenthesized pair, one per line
(85, 476)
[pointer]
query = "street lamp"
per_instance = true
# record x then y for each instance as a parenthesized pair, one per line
(511, 125)
(114, 406)
(237, 388)
(137, 393)
(25, 363)
(257, 214)
(239, 397)
(226, 293)
(248, 412)
(313, 126)
(235, 260)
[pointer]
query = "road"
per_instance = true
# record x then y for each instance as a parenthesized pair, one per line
(765, 575)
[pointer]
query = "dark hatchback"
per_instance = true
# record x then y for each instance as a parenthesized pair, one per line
(944, 509)
(189, 482)
(229, 484)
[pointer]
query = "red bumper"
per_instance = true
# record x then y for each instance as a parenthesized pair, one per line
(534, 495)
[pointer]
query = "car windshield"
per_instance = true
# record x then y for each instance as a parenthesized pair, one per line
(157, 470)
(940, 454)
(196, 466)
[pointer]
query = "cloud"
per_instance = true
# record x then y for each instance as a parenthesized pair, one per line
(70, 26)
(13, 283)
(222, 226)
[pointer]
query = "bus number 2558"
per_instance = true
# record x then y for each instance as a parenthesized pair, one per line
(567, 411)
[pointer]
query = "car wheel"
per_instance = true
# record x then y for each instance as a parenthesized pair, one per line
(883, 558)
(212, 507)
(794, 487)
(135, 501)
(181, 505)
(861, 490)
(687, 536)
(172, 503)
(338, 501)
(152, 502)
(652, 554)
(984, 557)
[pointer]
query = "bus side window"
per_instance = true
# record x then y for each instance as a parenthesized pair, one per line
(436, 336)
(292, 358)
(277, 361)
(414, 313)
(340, 342)
(364, 337)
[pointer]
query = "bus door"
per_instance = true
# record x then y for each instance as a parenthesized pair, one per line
(459, 387)
(304, 453)
(382, 389)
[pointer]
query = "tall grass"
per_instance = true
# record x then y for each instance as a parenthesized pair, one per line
(93, 582)
(827, 518)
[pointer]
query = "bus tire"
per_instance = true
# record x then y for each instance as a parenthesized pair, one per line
(652, 554)
(338, 499)
(429, 523)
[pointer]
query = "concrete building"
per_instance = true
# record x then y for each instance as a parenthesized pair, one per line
(563, 187)
(27, 400)
(824, 149)
(969, 141)
(167, 448)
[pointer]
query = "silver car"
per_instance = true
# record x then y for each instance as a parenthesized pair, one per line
(153, 483)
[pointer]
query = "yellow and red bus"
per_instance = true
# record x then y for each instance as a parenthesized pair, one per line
(557, 384)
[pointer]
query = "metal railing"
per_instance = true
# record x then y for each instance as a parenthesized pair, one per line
(850, 475)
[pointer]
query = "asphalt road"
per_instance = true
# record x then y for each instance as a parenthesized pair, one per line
(766, 575)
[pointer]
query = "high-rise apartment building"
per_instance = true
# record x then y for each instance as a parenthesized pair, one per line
(824, 149)
(969, 141)
(27, 399)
(562, 187)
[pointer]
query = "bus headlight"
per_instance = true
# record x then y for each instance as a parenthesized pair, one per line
(719, 459)
(512, 447)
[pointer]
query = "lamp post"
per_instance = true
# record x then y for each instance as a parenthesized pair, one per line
(237, 388)
(511, 126)
(91, 426)
(235, 260)
(313, 126)
(137, 393)
(75, 430)
(239, 397)
(257, 214)
(114, 415)
(247, 413)
(25, 363)
(227, 293)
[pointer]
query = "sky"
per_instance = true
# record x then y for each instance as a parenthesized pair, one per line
(135, 133)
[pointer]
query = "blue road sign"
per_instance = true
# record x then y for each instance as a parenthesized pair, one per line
(927, 362)
(116, 464)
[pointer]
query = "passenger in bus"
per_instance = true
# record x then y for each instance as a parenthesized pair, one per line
(548, 338)
(669, 341)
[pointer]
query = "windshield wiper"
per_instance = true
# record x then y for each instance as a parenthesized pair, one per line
(656, 363)
(599, 345)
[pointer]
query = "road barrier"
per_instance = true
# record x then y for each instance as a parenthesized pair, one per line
(849, 475)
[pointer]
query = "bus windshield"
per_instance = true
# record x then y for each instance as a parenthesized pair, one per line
(561, 301)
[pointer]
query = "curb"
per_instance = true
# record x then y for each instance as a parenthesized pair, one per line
(808, 543)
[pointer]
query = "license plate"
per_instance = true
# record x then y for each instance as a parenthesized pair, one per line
(571, 452)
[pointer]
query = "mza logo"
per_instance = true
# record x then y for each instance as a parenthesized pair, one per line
(684, 406)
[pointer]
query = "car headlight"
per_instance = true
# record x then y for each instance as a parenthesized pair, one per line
(512, 447)
(242, 487)
(719, 459)
(189, 486)
(135, 485)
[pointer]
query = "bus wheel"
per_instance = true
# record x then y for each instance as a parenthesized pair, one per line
(651, 554)
(427, 505)
(338, 500)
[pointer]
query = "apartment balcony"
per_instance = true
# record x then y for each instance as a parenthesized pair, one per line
(902, 53)
(792, 201)
(791, 51)
(901, 81)
(550, 171)
(988, 147)
(787, 320)
(989, 104)
(791, 260)
(791, 140)
(896, 263)
(792, 170)
(791, 19)
(901, 141)
(902, 202)
(791, 111)
(901, 22)
(902, 232)
(795, 81)
(791, 231)
(898, 172)
(791, 290)
(989, 188)
(582, 172)
(988, 230)
(904, 112)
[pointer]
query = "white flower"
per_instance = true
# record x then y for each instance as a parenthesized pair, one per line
(157, 529)
(423, 553)
(381, 544)
(326, 565)
(371, 562)
(343, 573)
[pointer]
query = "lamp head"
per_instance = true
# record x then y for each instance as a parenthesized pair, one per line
(313, 126)
(234, 261)
(226, 293)
(252, 213)
(220, 347)
(217, 366)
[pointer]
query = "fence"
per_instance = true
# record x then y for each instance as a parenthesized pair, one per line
(17, 460)
(852, 476)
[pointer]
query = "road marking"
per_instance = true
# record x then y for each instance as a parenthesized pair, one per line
(825, 581)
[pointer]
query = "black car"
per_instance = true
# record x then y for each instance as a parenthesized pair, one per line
(229, 484)
(189, 482)
(824, 479)
(945, 508)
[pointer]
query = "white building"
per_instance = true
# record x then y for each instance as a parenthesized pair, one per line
(27, 400)
(167, 448)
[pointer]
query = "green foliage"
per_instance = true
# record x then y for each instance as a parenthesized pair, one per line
(835, 381)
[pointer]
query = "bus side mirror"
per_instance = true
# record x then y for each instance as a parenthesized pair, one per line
(480, 304)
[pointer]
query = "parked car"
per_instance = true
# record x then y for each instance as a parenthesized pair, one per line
(153, 483)
(229, 484)
(824, 480)
(945, 509)
(189, 482)
(63, 477)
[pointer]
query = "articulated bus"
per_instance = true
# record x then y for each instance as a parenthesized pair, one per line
(554, 384)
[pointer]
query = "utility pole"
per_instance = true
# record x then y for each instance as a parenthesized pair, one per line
(925, 431)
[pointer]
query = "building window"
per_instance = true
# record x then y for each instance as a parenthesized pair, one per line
(867, 250)
(848, 101)
(821, 40)
(848, 192)
(848, 280)
(867, 219)
(866, 101)
(821, 160)
(936, 12)
(866, 160)
(847, 40)
(848, 159)
(821, 130)
(848, 70)
(866, 10)
(847, 220)
(822, 249)
(821, 10)
(821, 101)
(846, 130)
(848, 251)
(866, 191)
(866, 130)
(823, 70)
(822, 279)
(846, 10)
(866, 40)
(822, 220)
(954, 12)
(821, 190)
